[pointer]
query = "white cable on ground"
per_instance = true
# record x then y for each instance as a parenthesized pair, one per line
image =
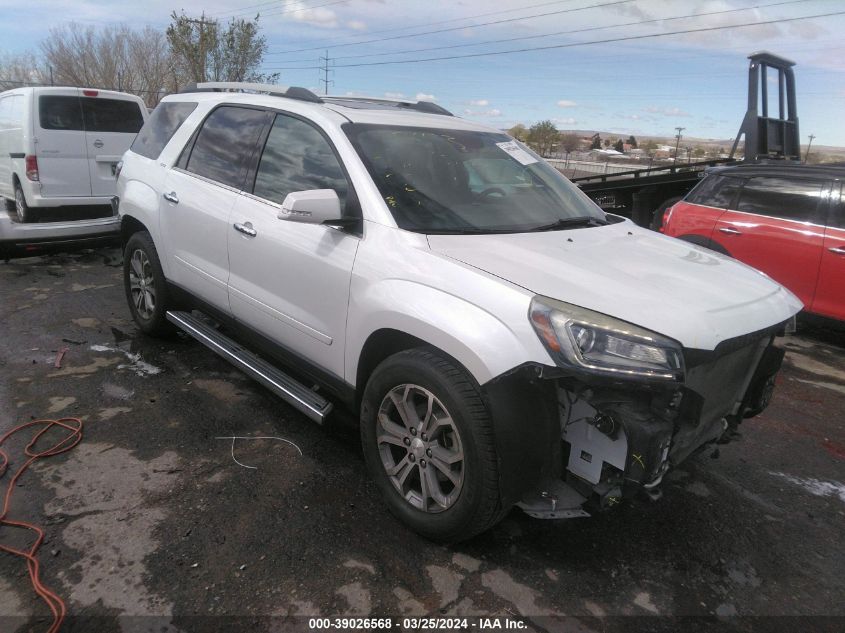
(263, 437)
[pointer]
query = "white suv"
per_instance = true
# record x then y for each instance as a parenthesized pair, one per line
(504, 340)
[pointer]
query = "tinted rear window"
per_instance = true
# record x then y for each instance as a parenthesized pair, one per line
(715, 191)
(779, 197)
(60, 113)
(111, 115)
(226, 143)
(160, 128)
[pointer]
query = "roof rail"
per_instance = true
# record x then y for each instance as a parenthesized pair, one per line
(420, 106)
(289, 92)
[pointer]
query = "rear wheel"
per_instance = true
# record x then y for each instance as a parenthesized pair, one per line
(145, 285)
(428, 443)
(21, 207)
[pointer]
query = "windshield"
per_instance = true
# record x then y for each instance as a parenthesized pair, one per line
(458, 181)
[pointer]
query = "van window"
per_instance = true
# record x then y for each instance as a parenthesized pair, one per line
(226, 143)
(715, 191)
(297, 158)
(780, 197)
(836, 218)
(111, 115)
(60, 113)
(160, 127)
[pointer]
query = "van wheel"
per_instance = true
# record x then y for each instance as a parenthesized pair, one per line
(21, 207)
(428, 444)
(144, 282)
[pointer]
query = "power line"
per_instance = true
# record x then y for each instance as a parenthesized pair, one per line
(425, 24)
(325, 69)
(627, 38)
(461, 28)
(240, 12)
(570, 32)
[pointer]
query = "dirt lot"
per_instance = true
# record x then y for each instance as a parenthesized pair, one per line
(152, 525)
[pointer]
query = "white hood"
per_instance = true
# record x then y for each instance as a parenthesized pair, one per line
(677, 289)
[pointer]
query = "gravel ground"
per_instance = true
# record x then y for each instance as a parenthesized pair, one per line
(153, 526)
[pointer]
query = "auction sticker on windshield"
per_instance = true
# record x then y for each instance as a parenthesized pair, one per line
(519, 154)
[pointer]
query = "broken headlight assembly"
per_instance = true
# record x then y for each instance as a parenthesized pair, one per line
(590, 341)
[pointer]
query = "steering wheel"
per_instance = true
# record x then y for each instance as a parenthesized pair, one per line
(490, 191)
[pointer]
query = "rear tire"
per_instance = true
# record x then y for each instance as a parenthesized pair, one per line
(21, 207)
(146, 286)
(428, 444)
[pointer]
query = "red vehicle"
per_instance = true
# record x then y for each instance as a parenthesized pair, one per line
(786, 220)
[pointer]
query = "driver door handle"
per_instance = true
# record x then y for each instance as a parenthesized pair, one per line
(245, 228)
(171, 197)
(837, 250)
(730, 230)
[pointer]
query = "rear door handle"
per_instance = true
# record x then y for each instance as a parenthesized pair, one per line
(838, 250)
(245, 228)
(171, 197)
(730, 230)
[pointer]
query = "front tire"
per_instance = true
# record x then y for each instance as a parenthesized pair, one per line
(428, 444)
(145, 285)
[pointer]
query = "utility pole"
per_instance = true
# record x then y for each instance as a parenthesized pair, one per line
(51, 75)
(202, 22)
(325, 69)
(678, 140)
(807, 155)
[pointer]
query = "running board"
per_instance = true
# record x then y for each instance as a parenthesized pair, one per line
(293, 392)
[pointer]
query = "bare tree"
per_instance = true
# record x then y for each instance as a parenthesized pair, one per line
(115, 58)
(21, 69)
(205, 51)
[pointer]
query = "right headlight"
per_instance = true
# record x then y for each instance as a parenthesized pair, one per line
(594, 342)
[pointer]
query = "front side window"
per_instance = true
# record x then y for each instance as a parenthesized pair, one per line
(836, 217)
(60, 113)
(781, 197)
(458, 181)
(111, 115)
(160, 127)
(715, 191)
(225, 144)
(297, 157)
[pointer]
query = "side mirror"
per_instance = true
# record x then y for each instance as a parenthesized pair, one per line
(315, 206)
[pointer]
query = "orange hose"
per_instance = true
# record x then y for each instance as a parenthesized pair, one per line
(74, 436)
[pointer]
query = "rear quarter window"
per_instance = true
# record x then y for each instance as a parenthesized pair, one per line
(165, 120)
(111, 115)
(715, 191)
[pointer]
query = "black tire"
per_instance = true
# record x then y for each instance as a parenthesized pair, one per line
(21, 207)
(151, 320)
(657, 218)
(477, 505)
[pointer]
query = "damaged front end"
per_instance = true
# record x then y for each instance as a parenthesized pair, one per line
(631, 404)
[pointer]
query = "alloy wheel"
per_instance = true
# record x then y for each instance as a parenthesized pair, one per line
(142, 284)
(420, 448)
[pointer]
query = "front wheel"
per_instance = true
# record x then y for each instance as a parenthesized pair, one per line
(428, 443)
(145, 285)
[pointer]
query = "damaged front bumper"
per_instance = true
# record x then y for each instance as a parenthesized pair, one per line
(606, 440)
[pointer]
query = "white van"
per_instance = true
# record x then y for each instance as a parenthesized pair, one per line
(59, 148)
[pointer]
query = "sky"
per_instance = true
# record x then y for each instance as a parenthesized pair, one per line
(610, 65)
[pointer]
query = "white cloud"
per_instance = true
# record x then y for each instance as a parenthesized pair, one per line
(565, 121)
(394, 95)
(566, 103)
(299, 12)
(667, 111)
(481, 103)
(421, 96)
(492, 113)
(357, 25)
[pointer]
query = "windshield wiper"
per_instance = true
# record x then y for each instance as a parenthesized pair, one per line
(568, 223)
